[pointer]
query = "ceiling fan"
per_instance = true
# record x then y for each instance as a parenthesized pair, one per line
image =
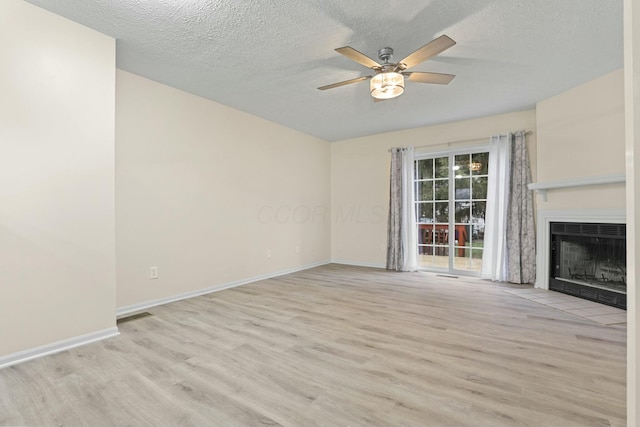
(388, 80)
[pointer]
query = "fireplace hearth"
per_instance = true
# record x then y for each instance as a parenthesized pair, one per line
(588, 260)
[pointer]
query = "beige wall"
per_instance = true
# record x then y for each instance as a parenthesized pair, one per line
(204, 191)
(57, 250)
(581, 134)
(360, 179)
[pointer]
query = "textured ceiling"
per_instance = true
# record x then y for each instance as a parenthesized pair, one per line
(268, 57)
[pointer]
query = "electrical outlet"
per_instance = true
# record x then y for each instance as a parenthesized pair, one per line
(269, 253)
(153, 272)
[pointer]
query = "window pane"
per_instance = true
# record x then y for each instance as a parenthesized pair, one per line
(441, 257)
(442, 212)
(425, 190)
(441, 235)
(442, 167)
(460, 261)
(477, 221)
(424, 169)
(479, 188)
(425, 212)
(463, 212)
(476, 260)
(425, 234)
(462, 188)
(442, 189)
(461, 167)
(426, 257)
(478, 210)
(477, 234)
(480, 164)
(462, 235)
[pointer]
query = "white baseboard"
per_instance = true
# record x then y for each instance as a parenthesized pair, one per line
(129, 309)
(358, 264)
(56, 347)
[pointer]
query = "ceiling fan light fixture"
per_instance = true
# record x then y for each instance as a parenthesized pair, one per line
(387, 85)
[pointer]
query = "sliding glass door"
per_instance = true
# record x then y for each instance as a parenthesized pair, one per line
(451, 193)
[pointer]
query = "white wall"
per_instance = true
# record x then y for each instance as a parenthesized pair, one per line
(632, 154)
(204, 191)
(57, 249)
(581, 134)
(360, 179)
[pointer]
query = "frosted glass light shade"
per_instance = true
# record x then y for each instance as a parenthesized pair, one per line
(387, 85)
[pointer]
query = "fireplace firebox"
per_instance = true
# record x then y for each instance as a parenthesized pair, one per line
(588, 260)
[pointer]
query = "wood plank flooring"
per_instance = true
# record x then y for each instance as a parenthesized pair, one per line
(335, 346)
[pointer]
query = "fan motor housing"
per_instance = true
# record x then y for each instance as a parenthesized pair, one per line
(385, 54)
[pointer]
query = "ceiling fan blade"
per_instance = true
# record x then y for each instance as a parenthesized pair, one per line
(434, 78)
(359, 57)
(346, 82)
(427, 51)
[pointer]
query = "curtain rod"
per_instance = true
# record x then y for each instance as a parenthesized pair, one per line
(460, 141)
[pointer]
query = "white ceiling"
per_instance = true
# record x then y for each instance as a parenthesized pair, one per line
(267, 57)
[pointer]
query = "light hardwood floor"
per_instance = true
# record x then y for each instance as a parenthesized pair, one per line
(335, 346)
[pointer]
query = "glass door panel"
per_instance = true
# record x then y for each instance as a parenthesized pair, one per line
(432, 212)
(451, 203)
(479, 169)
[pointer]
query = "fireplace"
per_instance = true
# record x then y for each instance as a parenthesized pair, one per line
(588, 260)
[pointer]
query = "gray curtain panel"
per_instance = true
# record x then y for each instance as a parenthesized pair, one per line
(395, 255)
(521, 243)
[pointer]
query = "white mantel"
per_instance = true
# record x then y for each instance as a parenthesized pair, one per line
(546, 217)
(543, 187)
